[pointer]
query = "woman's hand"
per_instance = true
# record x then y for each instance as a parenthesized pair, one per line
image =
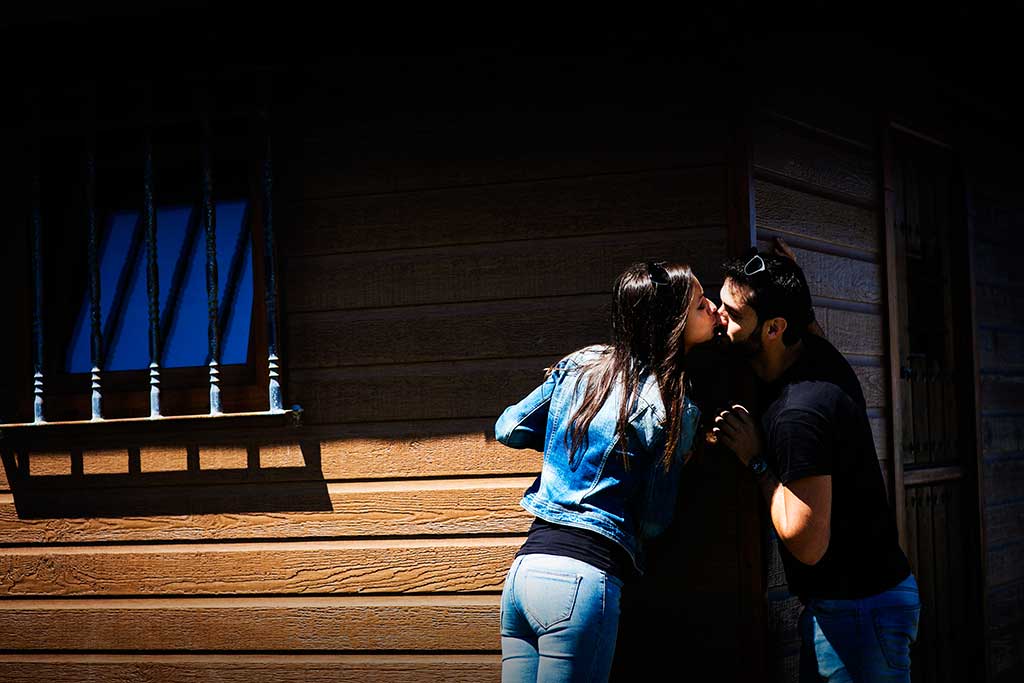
(780, 247)
(736, 430)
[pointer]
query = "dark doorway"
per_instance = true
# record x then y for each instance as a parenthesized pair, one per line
(934, 400)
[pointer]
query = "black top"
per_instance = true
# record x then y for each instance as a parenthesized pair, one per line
(816, 423)
(580, 544)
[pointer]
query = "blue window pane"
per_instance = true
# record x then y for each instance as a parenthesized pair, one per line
(234, 247)
(186, 343)
(181, 250)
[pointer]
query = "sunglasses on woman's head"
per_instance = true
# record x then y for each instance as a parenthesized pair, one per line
(658, 275)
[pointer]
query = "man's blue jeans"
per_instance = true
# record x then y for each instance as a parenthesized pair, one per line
(860, 640)
(559, 621)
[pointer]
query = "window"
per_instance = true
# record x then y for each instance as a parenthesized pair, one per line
(109, 189)
(183, 299)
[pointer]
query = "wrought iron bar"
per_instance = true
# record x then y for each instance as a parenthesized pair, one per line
(152, 275)
(209, 213)
(270, 295)
(95, 311)
(37, 279)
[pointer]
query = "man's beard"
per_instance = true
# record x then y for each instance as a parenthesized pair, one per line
(748, 347)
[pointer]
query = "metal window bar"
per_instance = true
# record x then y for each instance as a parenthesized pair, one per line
(38, 414)
(95, 311)
(99, 331)
(152, 275)
(209, 217)
(273, 361)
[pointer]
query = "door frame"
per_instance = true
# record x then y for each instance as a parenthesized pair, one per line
(965, 297)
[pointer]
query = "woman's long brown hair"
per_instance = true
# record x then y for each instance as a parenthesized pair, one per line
(650, 303)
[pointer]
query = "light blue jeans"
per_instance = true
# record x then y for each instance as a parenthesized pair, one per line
(559, 621)
(860, 640)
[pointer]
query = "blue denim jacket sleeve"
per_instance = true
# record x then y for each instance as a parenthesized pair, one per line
(524, 424)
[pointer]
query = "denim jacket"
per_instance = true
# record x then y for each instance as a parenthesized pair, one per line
(596, 491)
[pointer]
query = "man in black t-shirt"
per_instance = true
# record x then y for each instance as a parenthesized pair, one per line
(814, 459)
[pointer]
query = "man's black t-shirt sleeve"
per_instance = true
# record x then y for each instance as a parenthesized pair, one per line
(801, 445)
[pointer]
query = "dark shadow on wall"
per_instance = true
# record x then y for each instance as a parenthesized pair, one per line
(700, 603)
(238, 483)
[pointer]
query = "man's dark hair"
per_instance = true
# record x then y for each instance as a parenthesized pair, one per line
(779, 290)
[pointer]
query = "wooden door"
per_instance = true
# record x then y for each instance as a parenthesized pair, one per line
(934, 400)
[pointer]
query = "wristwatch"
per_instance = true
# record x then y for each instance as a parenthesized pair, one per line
(758, 465)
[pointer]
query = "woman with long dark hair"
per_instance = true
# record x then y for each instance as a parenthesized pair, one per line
(615, 423)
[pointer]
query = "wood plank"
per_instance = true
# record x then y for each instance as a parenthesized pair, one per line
(913, 501)
(447, 390)
(7, 460)
(324, 567)
(792, 212)
(1003, 479)
(1006, 606)
(163, 459)
(928, 632)
(447, 332)
(997, 265)
(997, 224)
(933, 475)
(248, 668)
(996, 304)
(103, 461)
(419, 449)
(832, 117)
(852, 332)
(223, 457)
(463, 623)
(1006, 656)
(945, 593)
(1005, 563)
(835, 169)
(656, 200)
(965, 594)
(880, 432)
(837, 277)
(453, 149)
(1004, 523)
(495, 271)
(54, 463)
(279, 511)
(872, 383)
(1002, 393)
(1002, 434)
(331, 452)
(1000, 350)
(412, 392)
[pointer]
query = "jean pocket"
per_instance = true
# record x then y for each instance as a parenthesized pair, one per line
(896, 630)
(550, 596)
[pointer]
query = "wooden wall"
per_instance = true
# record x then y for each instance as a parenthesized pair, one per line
(816, 186)
(997, 218)
(446, 232)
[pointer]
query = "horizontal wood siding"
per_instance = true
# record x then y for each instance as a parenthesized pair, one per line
(997, 220)
(432, 265)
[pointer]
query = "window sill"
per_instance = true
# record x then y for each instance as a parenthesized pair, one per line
(75, 432)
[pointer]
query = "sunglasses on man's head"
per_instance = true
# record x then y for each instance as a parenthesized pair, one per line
(754, 266)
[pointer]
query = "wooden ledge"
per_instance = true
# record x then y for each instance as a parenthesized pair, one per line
(139, 429)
